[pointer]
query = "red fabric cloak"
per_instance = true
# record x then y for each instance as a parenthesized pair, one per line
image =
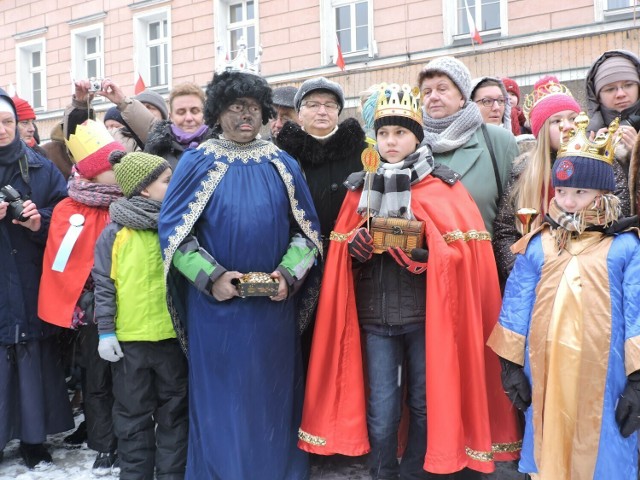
(60, 291)
(470, 421)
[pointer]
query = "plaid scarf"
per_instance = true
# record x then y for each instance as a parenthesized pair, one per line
(137, 212)
(604, 211)
(387, 192)
(93, 194)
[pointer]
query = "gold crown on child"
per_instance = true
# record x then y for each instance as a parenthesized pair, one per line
(398, 101)
(602, 147)
(88, 138)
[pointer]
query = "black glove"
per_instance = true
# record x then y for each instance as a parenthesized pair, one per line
(515, 384)
(415, 264)
(87, 304)
(628, 409)
(360, 245)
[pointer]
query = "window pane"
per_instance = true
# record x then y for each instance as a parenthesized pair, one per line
(613, 4)
(463, 25)
(154, 31)
(235, 13)
(490, 14)
(249, 10)
(36, 79)
(251, 43)
(165, 27)
(92, 68)
(154, 65)
(362, 38)
(362, 14)
(343, 18)
(235, 36)
(35, 59)
(92, 45)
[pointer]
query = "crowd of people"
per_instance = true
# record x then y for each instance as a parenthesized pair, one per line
(446, 282)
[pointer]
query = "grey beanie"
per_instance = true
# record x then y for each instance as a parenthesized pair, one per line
(154, 98)
(454, 69)
(284, 97)
(615, 69)
(320, 83)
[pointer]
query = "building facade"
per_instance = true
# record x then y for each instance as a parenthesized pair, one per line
(46, 44)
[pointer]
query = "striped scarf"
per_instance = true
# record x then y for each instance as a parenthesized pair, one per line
(387, 192)
(604, 211)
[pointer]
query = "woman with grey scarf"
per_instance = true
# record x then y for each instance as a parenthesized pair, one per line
(455, 131)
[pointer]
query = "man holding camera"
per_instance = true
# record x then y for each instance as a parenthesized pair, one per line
(33, 394)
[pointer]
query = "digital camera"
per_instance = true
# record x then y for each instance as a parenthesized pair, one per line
(16, 204)
(95, 84)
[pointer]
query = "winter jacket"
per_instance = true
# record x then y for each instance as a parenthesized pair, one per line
(163, 143)
(326, 164)
(21, 252)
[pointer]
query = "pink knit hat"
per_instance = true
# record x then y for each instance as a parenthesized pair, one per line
(548, 97)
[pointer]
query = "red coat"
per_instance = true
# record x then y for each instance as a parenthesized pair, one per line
(60, 291)
(469, 418)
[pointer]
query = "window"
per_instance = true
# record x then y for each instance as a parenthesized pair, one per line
(611, 10)
(31, 73)
(153, 50)
(617, 4)
(237, 22)
(352, 27)
(489, 16)
(87, 55)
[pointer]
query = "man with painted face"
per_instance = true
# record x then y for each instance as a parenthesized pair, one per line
(235, 205)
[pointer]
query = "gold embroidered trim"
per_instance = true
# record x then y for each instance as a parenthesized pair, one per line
(339, 237)
(245, 152)
(298, 213)
(466, 236)
(311, 439)
(495, 448)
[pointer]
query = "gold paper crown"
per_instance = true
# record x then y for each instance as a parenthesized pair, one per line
(602, 147)
(390, 104)
(552, 87)
(90, 137)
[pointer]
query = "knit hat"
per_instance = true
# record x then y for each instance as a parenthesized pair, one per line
(315, 84)
(90, 147)
(615, 69)
(452, 68)
(399, 105)
(113, 114)
(512, 87)
(548, 97)
(154, 98)
(23, 109)
(584, 163)
(135, 171)
(284, 97)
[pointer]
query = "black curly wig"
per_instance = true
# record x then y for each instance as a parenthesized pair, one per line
(228, 86)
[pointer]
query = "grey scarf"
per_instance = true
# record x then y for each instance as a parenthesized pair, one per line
(450, 133)
(387, 192)
(137, 212)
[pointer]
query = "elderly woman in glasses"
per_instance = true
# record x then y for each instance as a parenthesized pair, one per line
(454, 128)
(491, 96)
(236, 205)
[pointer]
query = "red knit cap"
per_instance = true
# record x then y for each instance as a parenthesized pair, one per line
(98, 162)
(547, 98)
(23, 109)
(512, 87)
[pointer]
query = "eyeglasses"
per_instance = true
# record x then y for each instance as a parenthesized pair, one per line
(613, 89)
(488, 102)
(329, 106)
(241, 107)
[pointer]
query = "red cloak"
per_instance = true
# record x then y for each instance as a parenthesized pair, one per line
(470, 421)
(60, 291)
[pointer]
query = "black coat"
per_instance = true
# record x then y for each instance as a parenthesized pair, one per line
(162, 142)
(326, 165)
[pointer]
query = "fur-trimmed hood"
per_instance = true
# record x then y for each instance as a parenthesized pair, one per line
(347, 142)
(162, 142)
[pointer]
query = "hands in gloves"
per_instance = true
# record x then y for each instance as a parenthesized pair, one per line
(628, 409)
(360, 245)
(109, 348)
(415, 264)
(516, 384)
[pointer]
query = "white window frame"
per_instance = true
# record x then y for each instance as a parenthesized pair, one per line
(328, 29)
(25, 72)
(602, 14)
(450, 23)
(224, 28)
(79, 56)
(142, 45)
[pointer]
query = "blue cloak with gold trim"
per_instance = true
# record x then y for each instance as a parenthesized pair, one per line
(245, 371)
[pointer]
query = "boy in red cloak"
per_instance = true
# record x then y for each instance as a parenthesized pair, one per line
(430, 310)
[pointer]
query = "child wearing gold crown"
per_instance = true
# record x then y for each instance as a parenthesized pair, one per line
(569, 329)
(66, 288)
(420, 317)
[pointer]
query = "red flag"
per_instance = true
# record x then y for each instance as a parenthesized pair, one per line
(473, 31)
(339, 59)
(140, 86)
